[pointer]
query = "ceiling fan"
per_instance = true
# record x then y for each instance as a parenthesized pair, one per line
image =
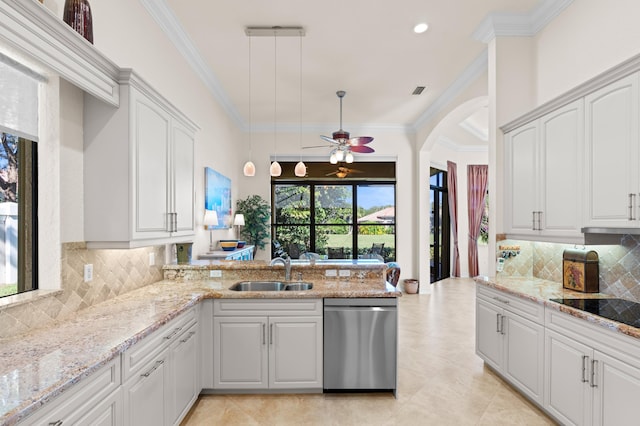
(343, 172)
(343, 146)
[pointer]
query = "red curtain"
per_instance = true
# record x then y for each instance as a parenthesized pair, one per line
(452, 188)
(477, 178)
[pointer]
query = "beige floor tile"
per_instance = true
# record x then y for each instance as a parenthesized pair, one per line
(441, 381)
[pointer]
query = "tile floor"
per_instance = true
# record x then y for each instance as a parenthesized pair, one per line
(441, 379)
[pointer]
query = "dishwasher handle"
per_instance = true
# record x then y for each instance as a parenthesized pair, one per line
(360, 308)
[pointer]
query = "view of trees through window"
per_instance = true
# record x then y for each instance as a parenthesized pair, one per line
(17, 214)
(347, 220)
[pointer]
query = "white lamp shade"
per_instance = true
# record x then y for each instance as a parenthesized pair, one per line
(301, 169)
(275, 169)
(249, 169)
(238, 220)
(210, 218)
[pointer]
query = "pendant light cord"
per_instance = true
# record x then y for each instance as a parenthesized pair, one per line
(250, 103)
(275, 94)
(300, 139)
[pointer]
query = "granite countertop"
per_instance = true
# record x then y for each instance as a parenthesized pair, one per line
(36, 367)
(541, 291)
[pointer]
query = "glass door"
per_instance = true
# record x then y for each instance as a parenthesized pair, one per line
(440, 230)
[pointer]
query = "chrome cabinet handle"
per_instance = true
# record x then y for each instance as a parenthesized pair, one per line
(594, 369)
(498, 323)
(57, 423)
(189, 336)
(585, 360)
(264, 327)
(539, 221)
(154, 368)
(501, 300)
(175, 331)
(631, 199)
(533, 221)
(502, 324)
(271, 334)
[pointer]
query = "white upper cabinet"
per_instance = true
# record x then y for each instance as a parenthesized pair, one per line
(544, 169)
(611, 138)
(138, 169)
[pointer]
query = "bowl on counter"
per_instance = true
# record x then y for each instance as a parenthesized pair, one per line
(228, 245)
(241, 243)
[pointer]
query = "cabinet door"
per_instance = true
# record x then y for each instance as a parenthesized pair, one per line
(567, 391)
(521, 179)
(151, 145)
(616, 392)
(611, 136)
(240, 353)
(295, 352)
(561, 177)
(183, 180)
(489, 341)
(144, 396)
(108, 412)
(183, 381)
(524, 355)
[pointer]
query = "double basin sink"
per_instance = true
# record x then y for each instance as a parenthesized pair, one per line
(270, 286)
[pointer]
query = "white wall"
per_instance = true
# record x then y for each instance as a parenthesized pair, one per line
(589, 37)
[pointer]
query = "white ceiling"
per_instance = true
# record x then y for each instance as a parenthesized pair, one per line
(367, 49)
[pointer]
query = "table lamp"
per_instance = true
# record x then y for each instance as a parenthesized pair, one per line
(238, 221)
(210, 220)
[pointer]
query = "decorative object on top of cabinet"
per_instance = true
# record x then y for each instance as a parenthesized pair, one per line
(77, 14)
(144, 151)
(217, 196)
(580, 270)
(257, 214)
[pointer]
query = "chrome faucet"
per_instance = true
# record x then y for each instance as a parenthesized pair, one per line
(287, 266)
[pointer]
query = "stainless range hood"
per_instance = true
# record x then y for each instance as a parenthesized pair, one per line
(598, 235)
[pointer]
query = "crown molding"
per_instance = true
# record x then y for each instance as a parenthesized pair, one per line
(35, 32)
(168, 22)
(445, 142)
(519, 24)
(468, 76)
(474, 131)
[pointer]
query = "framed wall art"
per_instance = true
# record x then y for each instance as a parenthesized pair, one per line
(217, 196)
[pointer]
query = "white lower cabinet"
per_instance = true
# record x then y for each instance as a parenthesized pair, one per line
(510, 343)
(267, 344)
(95, 400)
(161, 374)
(591, 378)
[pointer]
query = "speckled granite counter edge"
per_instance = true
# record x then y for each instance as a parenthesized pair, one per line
(540, 291)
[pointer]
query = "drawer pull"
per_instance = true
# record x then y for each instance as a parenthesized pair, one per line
(58, 423)
(170, 336)
(154, 368)
(189, 336)
(501, 300)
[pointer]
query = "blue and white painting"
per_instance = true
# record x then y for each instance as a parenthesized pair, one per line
(217, 196)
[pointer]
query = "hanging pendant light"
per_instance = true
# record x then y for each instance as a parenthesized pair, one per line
(249, 168)
(300, 169)
(275, 170)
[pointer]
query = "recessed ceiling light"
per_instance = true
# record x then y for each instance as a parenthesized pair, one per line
(420, 28)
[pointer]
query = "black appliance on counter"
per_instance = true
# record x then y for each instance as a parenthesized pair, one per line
(620, 310)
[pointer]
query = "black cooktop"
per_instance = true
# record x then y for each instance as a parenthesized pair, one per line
(619, 310)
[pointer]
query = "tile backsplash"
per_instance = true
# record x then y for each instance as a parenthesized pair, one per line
(114, 272)
(619, 265)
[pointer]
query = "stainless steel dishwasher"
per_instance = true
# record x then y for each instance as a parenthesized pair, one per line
(360, 344)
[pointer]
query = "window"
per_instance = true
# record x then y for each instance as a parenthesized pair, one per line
(18, 178)
(338, 218)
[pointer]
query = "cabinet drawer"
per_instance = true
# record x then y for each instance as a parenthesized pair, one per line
(261, 307)
(140, 354)
(526, 309)
(82, 398)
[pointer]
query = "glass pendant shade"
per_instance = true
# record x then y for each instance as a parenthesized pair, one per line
(275, 170)
(333, 159)
(249, 169)
(300, 169)
(339, 155)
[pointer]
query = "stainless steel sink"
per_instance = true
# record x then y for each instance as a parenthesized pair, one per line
(270, 286)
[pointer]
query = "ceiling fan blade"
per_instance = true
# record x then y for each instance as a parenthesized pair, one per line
(362, 149)
(328, 139)
(315, 146)
(361, 140)
(333, 173)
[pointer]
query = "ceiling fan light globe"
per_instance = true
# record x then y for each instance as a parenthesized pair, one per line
(300, 169)
(333, 159)
(349, 157)
(249, 169)
(275, 170)
(340, 155)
